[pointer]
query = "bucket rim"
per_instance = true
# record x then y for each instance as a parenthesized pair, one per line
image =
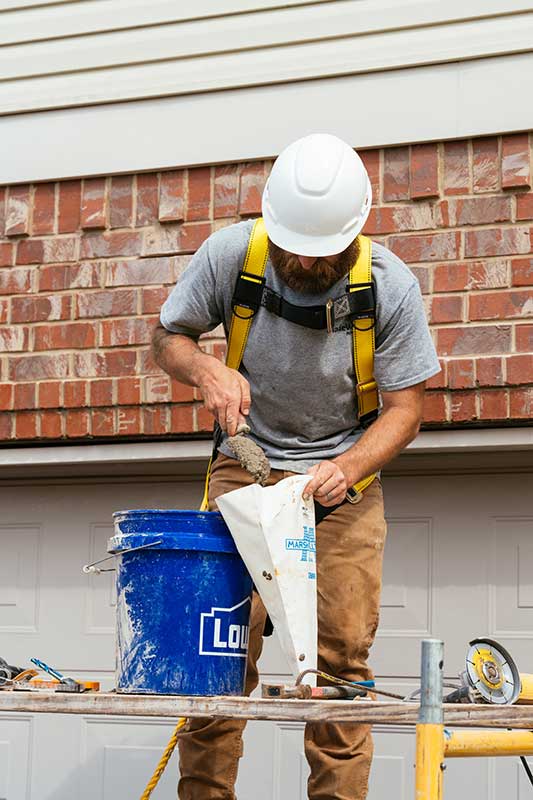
(172, 512)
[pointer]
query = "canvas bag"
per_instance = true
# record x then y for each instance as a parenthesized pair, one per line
(274, 531)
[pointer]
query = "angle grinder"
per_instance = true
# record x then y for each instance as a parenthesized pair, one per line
(491, 676)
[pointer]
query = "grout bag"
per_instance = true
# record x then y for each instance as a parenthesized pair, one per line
(274, 530)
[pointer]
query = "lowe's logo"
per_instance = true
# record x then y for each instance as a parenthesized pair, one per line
(225, 631)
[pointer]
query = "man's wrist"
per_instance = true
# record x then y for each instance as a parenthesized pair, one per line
(347, 463)
(204, 368)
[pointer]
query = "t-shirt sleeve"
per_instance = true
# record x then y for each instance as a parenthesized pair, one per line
(405, 353)
(193, 307)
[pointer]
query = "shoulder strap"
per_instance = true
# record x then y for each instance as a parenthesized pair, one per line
(363, 338)
(252, 271)
(364, 343)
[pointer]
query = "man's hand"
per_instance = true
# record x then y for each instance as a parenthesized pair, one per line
(396, 426)
(328, 484)
(226, 394)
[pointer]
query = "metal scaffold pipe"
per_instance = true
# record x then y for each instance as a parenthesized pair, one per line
(430, 728)
(432, 663)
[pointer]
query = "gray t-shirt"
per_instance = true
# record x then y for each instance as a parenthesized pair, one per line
(302, 380)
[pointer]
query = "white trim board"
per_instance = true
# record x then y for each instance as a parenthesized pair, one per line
(430, 103)
(135, 452)
(189, 458)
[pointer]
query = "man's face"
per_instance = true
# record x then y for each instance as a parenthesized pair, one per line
(310, 275)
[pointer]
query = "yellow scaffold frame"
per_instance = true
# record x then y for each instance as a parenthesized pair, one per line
(434, 743)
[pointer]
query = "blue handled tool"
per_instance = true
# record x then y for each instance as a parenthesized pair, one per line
(53, 672)
(69, 683)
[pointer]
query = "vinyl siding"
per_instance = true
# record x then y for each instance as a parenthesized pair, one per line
(100, 51)
(192, 81)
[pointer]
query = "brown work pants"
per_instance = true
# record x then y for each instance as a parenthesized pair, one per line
(349, 560)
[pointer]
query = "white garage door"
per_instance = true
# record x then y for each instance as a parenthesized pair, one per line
(458, 564)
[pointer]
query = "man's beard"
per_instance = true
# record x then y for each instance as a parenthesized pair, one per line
(318, 278)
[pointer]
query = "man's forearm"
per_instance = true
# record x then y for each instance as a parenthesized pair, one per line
(179, 356)
(225, 392)
(380, 443)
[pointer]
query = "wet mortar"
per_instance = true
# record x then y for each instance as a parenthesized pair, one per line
(250, 455)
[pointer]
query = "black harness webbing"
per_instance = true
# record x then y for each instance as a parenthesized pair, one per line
(359, 302)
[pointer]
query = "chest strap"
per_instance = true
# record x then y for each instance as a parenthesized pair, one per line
(336, 315)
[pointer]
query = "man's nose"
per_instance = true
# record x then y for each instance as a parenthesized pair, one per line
(307, 261)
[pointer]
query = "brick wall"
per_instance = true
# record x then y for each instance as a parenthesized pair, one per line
(85, 266)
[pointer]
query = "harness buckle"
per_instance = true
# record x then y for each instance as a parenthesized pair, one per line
(353, 496)
(248, 293)
(358, 302)
(329, 321)
(271, 301)
(362, 300)
(367, 395)
(364, 389)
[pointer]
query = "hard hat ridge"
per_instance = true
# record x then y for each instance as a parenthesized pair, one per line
(316, 167)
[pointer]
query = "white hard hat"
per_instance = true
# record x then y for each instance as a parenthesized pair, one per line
(317, 197)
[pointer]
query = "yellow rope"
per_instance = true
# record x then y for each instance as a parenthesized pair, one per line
(154, 780)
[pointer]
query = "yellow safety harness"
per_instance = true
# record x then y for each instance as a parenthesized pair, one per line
(363, 332)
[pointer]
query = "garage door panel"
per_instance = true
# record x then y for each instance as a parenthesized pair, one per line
(15, 755)
(19, 578)
(460, 591)
(100, 593)
(120, 756)
(471, 778)
(405, 614)
(291, 769)
(511, 584)
(56, 765)
(510, 779)
(392, 774)
(257, 769)
(406, 596)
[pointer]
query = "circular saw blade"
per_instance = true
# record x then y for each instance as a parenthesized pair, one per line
(492, 672)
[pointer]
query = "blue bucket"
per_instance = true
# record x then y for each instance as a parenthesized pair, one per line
(183, 604)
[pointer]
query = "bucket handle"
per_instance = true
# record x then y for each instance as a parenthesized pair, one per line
(92, 568)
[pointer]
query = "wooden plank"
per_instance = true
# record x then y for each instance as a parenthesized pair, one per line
(110, 703)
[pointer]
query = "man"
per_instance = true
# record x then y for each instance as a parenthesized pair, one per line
(296, 389)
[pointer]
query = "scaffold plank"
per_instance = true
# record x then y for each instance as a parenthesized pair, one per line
(382, 713)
